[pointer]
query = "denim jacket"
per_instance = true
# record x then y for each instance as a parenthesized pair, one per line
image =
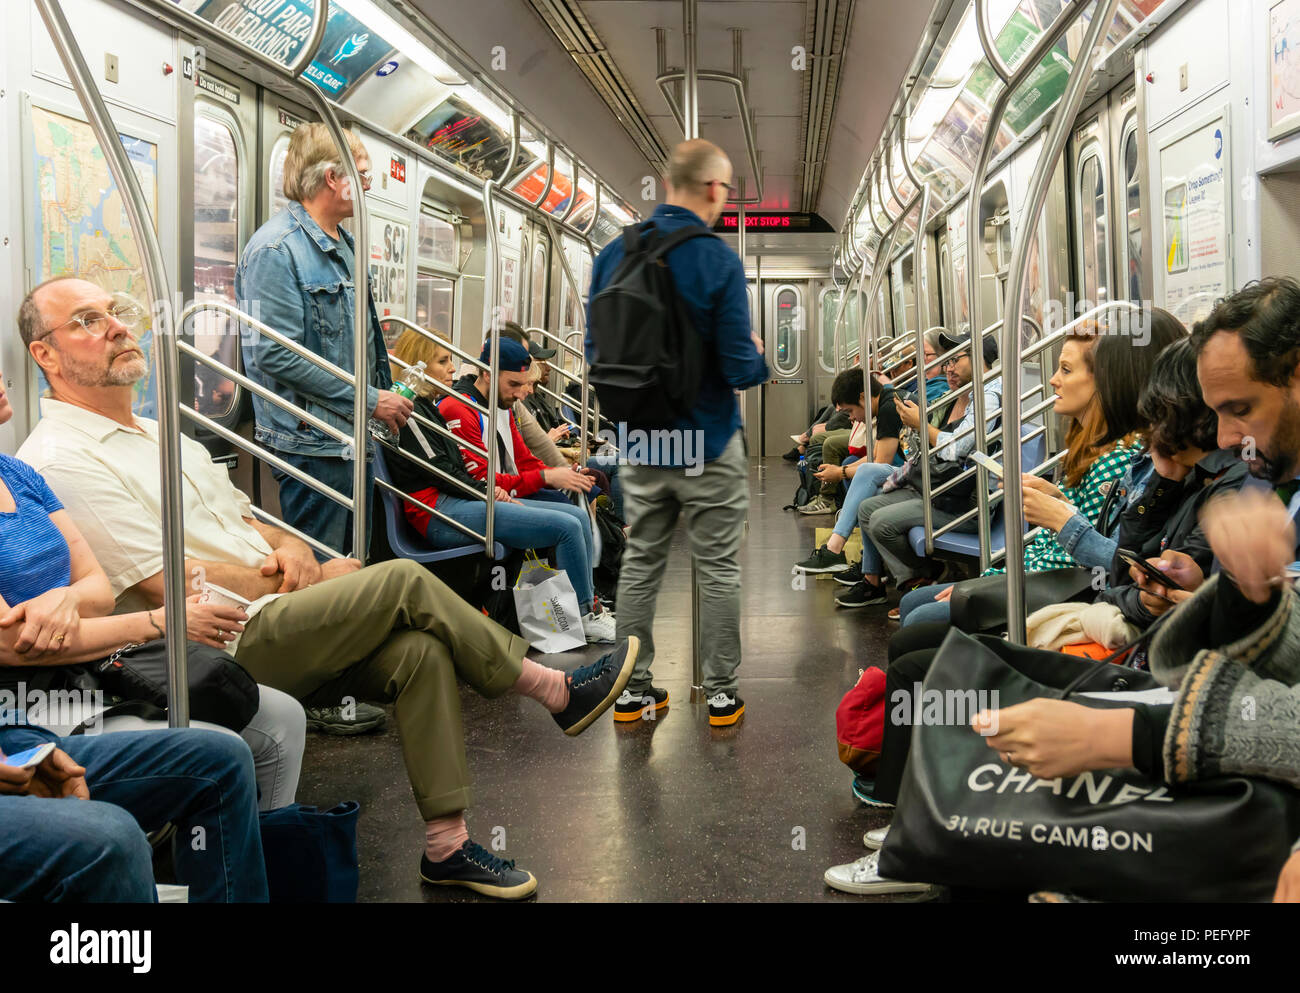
(292, 278)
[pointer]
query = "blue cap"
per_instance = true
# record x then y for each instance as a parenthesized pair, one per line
(513, 356)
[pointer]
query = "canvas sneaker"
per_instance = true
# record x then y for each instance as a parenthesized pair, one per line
(823, 560)
(863, 876)
(863, 595)
(875, 840)
(599, 628)
(477, 869)
(594, 687)
(725, 709)
(818, 505)
(642, 706)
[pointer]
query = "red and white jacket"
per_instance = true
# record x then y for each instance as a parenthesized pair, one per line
(468, 424)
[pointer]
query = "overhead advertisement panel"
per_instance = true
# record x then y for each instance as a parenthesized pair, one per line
(278, 29)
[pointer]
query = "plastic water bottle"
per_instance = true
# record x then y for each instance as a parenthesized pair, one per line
(403, 387)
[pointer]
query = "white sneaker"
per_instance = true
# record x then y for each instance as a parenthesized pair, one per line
(875, 840)
(599, 628)
(863, 876)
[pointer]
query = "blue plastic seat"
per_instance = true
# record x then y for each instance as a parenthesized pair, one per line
(1032, 453)
(404, 540)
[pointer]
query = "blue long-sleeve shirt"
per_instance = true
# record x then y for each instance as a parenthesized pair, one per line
(710, 278)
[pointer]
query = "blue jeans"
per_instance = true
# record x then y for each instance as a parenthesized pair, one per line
(530, 523)
(920, 606)
(78, 851)
(865, 483)
(316, 514)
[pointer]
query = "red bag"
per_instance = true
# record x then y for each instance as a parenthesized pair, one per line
(860, 722)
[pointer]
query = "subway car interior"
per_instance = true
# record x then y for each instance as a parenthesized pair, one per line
(903, 181)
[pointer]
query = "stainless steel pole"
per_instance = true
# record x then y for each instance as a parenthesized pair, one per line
(164, 352)
(1054, 144)
(690, 130)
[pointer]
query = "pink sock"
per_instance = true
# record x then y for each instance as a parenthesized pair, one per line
(443, 836)
(549, 687)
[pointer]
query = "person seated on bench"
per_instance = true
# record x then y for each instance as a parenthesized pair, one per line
(74, 825)
(330, 633)
(519, 524)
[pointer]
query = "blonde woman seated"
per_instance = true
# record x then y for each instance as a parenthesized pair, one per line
(520, 523)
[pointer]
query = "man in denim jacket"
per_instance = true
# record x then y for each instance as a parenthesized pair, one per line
(296, 276)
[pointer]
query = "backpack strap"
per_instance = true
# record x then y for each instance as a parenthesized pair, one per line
(663, 245)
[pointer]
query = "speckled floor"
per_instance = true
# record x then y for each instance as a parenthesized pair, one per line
(669, 810)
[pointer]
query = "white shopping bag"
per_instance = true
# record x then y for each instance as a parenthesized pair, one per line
(547, 606)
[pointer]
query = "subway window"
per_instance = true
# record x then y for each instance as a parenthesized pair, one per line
(437, 241)
(275, 185)
(830, 304)
(790, 323)
(216, 245)
(1132, 244)
(435, 298)
(537, 302)
(1094, 250)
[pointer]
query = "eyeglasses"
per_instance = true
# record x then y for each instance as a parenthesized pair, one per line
(731, 190)
(366, 179)
(95, 322)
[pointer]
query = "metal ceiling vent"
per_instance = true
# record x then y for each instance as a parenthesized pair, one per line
(571, 27)
(826, 33)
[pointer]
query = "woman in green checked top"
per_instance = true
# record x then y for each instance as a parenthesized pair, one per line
(1097, 383)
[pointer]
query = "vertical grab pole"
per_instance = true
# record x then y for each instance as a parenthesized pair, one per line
(494, 358)
(1045, 43)
(690, 130)
(165, 352)
(360, 330)
(1059, 131)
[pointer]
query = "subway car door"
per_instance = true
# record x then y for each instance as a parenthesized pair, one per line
(786, 394)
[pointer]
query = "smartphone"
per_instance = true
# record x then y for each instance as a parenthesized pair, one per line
(1151, 572)
(1292, 571)
(30, 757)
(979, 458)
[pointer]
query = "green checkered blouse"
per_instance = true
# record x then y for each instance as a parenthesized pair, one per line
(1045, 552)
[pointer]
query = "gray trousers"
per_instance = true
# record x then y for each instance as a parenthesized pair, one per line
(714, 504)
(885, 520)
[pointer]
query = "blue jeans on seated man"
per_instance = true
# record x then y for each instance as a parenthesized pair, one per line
(608, 464)
(312, 512)
(95, 851)
(921, 607)
(865, 483)
(530, 523)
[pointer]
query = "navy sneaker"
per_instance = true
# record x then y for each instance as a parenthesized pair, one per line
(594, 687)
(640, 706)
(863, 595)
(477, 869)
(865, 791)
(359, 718)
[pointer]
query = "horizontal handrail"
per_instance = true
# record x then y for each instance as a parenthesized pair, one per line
(444, 388)
(442, 342)
(268, 395)
(428, 466)
(255, 449)
(435, 512)
(233, 311)
(560, 341)
(995, 496)
(320, 546)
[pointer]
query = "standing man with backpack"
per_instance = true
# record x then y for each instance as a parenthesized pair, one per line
(670, 345)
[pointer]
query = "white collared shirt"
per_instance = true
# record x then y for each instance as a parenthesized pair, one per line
(106, 475)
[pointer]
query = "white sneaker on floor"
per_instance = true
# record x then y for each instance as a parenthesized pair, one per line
(875, 840)
(599, 628)
(863, 876)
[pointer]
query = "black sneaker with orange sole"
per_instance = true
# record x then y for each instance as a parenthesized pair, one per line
(725, 709)
(641, 705)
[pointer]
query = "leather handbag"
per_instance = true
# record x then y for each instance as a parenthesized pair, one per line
(966, 818)
(221, 691)
(979, 605)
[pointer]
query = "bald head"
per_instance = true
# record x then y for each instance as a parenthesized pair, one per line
(698, 176)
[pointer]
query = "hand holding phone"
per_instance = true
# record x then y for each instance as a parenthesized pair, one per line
(1153, 574)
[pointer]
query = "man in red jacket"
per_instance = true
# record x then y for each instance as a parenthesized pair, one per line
(519, 472)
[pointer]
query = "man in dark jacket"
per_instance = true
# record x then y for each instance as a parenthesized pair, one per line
(712, 491)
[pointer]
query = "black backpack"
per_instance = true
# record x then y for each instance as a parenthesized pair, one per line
(649, 358)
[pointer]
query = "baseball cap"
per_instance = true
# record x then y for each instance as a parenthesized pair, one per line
(949, 340)
(538, 352)
(512, 355)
